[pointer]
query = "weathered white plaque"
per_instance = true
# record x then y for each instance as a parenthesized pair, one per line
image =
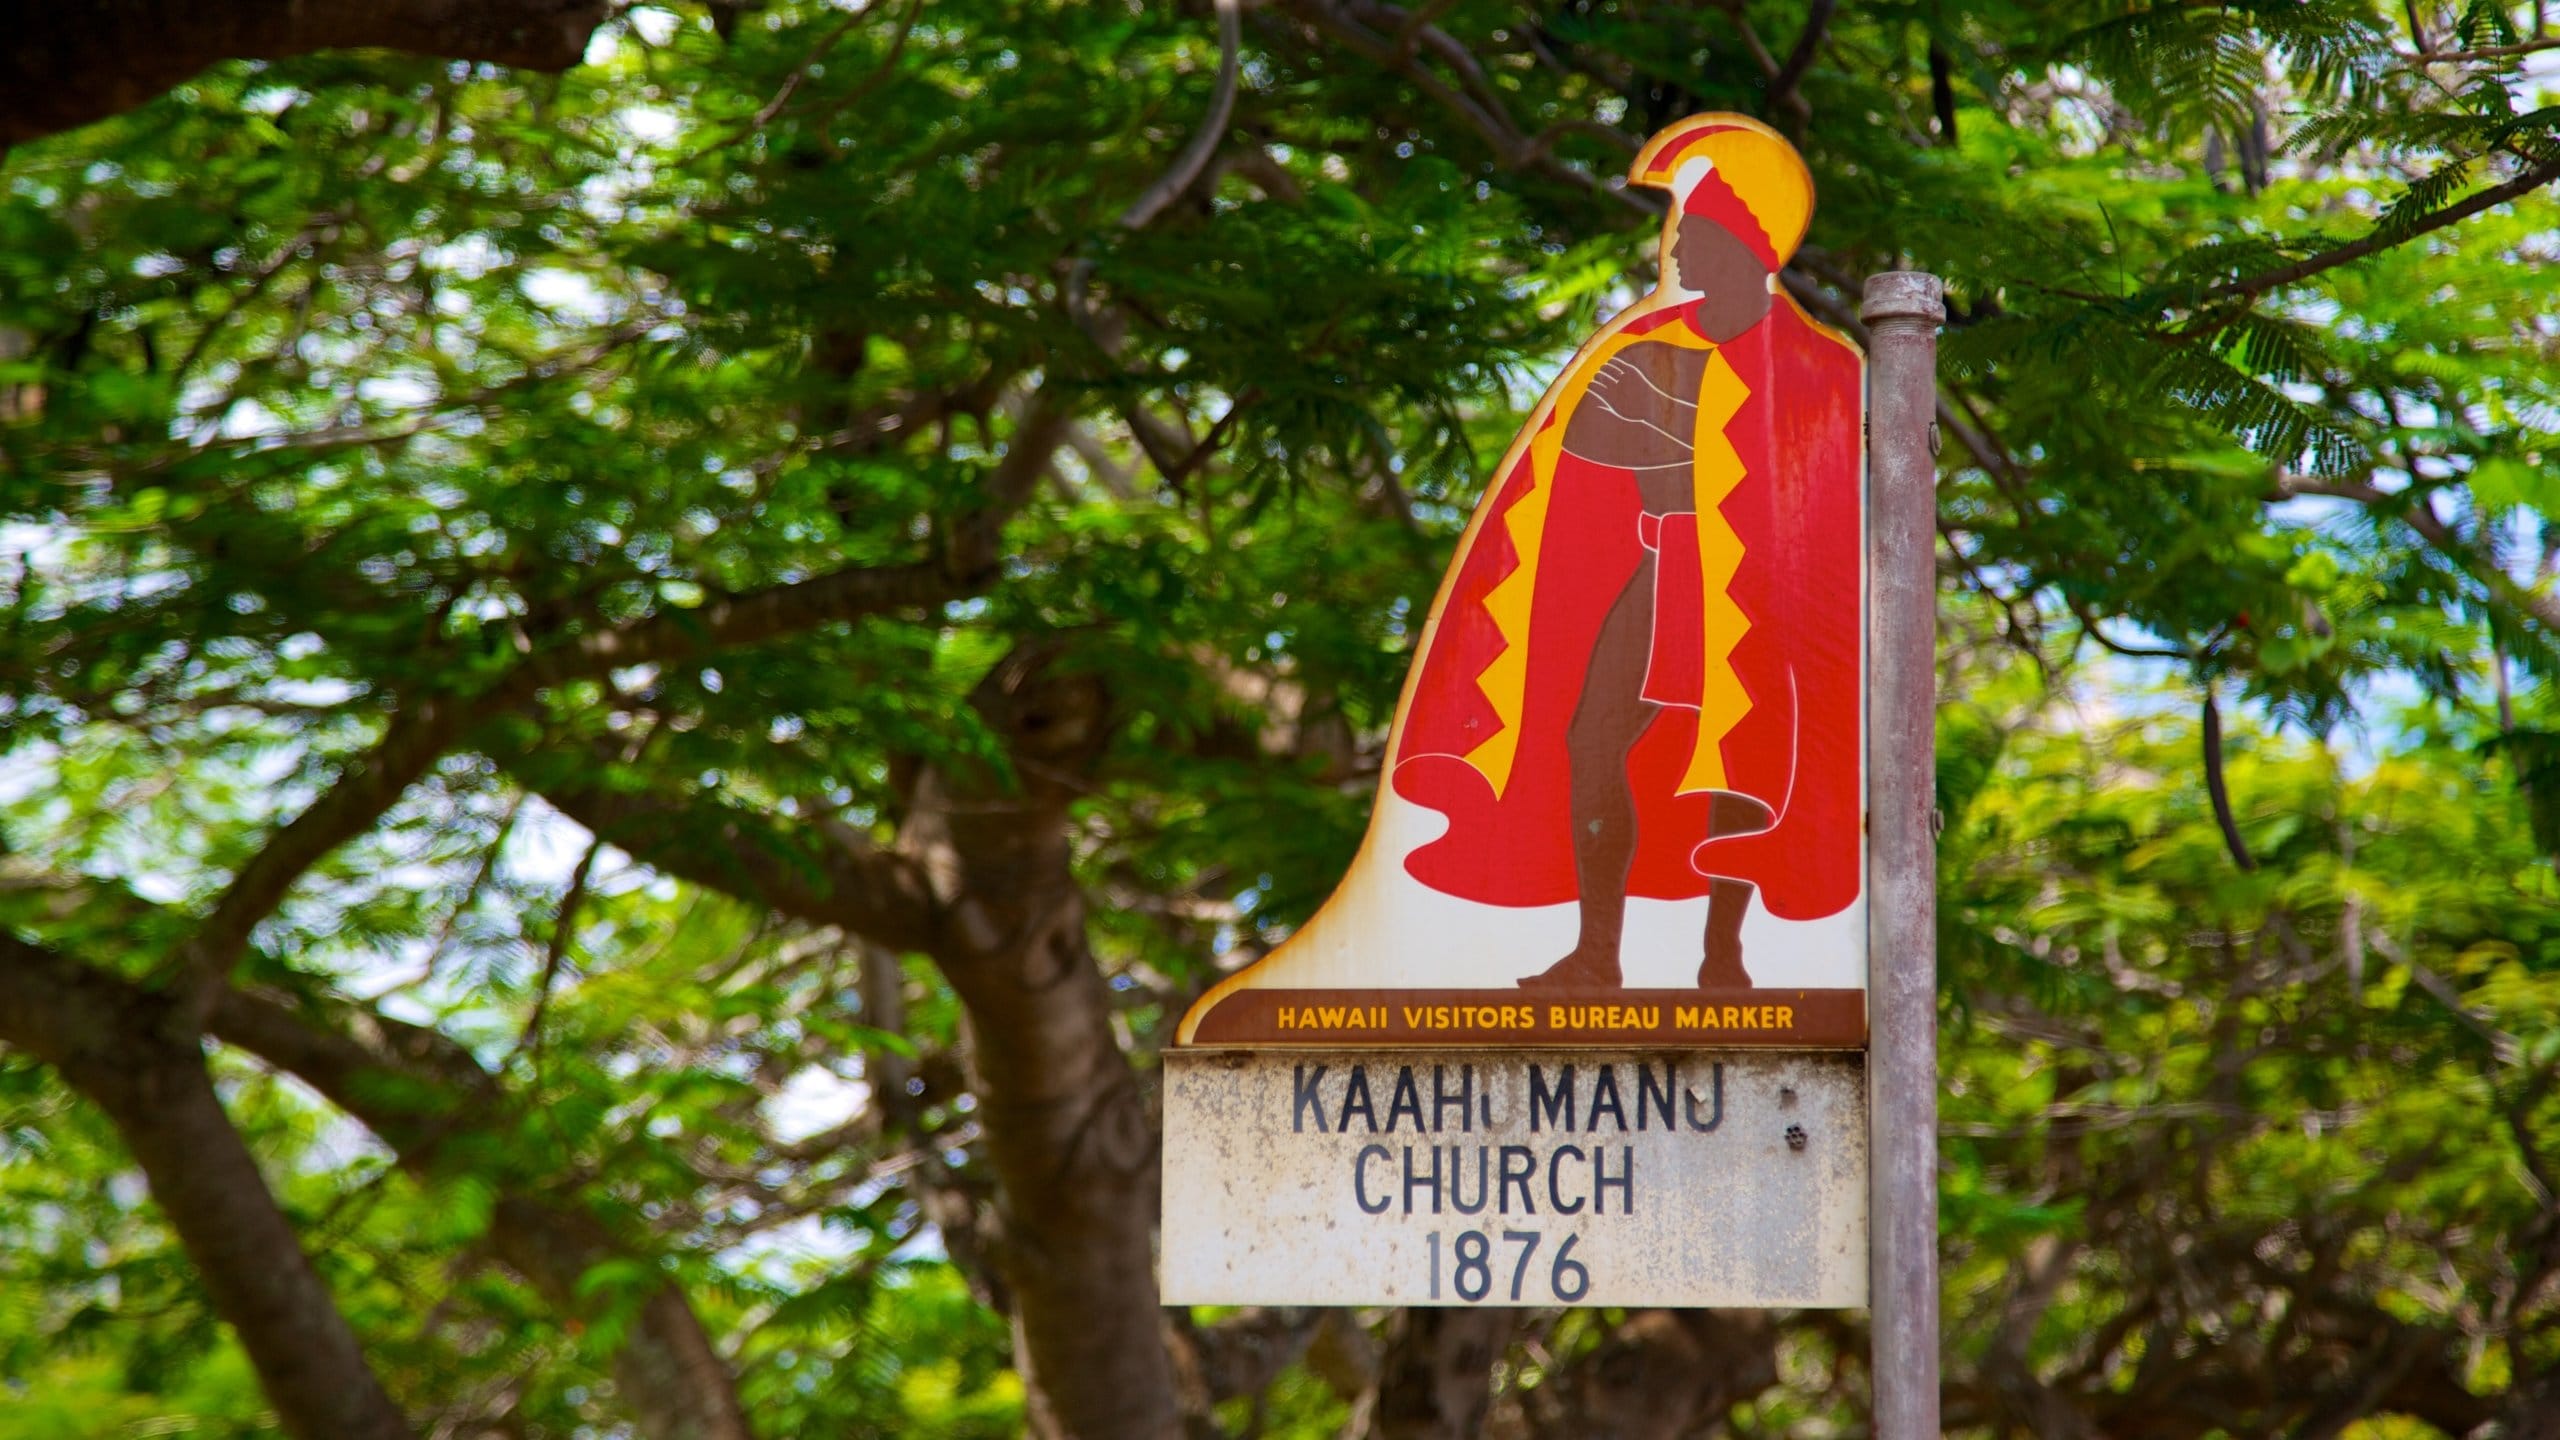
(1515, 1177)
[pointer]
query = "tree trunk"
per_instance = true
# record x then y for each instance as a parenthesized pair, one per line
(1436, 1381)
(1660, 1375)
(1068, 1132)
(114, 1043)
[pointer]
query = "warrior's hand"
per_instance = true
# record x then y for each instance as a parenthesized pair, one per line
(1639, 410)
(1623, 386)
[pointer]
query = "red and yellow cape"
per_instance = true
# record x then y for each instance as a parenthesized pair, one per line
(1765, 591)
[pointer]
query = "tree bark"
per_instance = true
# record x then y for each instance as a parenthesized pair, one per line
(1661, 1375)
(1436, 1381)
(68, 65)
(114, 1042)
(1068, 1132)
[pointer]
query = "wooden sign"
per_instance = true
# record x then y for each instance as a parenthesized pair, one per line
(1521, 1055)
(1514, 1177)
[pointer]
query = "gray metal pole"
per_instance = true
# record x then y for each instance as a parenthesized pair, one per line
(1903, 310)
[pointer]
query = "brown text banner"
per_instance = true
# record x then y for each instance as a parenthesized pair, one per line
(1716, 1018)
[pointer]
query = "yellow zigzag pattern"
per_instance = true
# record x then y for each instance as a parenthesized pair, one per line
(1505, 682)
(1718, 468)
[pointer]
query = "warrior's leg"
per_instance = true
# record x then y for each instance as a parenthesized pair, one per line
(1607, 721)
(1728, 900)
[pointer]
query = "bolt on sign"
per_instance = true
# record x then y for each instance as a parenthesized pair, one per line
(1582, 1024)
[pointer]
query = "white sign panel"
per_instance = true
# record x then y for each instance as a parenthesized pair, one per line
(1515, 1178)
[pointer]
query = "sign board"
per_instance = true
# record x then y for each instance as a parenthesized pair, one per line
(1511, 1177)
(1621, 830)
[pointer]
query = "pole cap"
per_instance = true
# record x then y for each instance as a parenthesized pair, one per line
(1905, 295)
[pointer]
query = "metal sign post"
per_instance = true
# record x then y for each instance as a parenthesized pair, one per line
(1903, 310)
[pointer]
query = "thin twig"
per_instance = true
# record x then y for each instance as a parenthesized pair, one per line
(556, 954)
(880, 73)
(2254, 285)
(470, 900)
(275, 265)
(1213, 127)
(2089, 627)
(800, 72)
(2411, 508)
(2216, 789)
(1783, 94)
(2487, 52)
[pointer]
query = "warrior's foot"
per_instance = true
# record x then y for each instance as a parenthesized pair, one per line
(1580, 970)
(1723, 967)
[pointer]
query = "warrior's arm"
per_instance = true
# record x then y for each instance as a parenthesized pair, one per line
(1639, 411)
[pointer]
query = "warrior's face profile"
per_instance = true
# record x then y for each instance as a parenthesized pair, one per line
(1725, 271)
(1717, 248)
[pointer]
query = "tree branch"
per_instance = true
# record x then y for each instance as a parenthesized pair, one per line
(1481, 108)
(2089, 627)
(835, 104)
(2216, 789)
(1783, 94)
(361, 793)
(555, 952)
(1942, 92)
(1108, 333)
(1761, 54)
(128, 1051)
(753, 618)
(415, 1088)
(430, 725)
(976, 539)
(2488, 52)
(1204, 142)
(2413, 512)
(2251, 286)
(67, 65)
(847, 881)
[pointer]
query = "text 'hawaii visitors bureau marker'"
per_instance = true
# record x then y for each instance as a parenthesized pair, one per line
(1584, 1023)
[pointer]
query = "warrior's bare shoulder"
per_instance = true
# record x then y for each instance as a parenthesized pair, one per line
(1640, 407)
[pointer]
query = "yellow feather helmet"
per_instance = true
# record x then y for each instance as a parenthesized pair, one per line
(1753, 162)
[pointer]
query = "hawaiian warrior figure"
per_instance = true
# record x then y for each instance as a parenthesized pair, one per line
(1643, 679)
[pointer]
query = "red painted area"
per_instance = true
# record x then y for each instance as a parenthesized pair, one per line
(1797, 513)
